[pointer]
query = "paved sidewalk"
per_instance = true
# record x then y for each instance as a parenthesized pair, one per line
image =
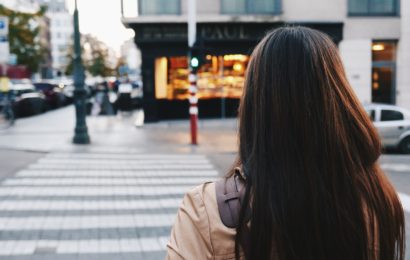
(54, 130)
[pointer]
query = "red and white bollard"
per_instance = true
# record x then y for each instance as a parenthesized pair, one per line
(193, 106)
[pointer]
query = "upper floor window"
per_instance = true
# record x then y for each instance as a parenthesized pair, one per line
(250, 6)
(157, 7)
(373, 7)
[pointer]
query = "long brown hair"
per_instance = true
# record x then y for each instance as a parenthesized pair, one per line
(314, 186)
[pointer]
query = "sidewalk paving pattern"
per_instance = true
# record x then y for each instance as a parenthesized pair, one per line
(96, 205)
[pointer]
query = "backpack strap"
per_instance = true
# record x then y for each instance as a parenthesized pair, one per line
(229, 195)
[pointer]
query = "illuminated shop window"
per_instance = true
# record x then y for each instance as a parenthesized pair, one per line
(384, 72)
(218, 77)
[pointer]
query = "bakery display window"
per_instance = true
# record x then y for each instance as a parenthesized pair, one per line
(218, 77)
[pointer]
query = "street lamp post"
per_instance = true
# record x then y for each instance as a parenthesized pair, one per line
(81, 132)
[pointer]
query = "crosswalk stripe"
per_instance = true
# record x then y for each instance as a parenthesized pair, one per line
(123, 156)
(117, 174)
(103, 181)
(122, 167)
(86, 222)
(25, 205)
(119, 162)
(91, 246)
(94, 191)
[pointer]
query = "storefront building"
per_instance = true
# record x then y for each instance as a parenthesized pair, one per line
(227, 32)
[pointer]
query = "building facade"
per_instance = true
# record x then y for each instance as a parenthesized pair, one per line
(56, 32)
(43, 23)
(372, 35)
(61, 33)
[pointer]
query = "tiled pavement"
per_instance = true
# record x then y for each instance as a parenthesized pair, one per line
(98, 205)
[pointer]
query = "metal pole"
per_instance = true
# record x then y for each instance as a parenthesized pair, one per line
(193, 99)
(81, 131)
(122, 8)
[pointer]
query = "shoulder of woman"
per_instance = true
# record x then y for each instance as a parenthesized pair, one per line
(199, 202)
(204, 206)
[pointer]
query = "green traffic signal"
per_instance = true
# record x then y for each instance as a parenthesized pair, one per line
(194, 62)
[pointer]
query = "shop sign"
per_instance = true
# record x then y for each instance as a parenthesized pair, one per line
(224, 32)
(150, 33)
(205, 32)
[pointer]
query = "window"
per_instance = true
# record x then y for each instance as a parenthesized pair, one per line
(251, 6)
(62, 47)
(391, 115)
(384, 51)
(221, 76)
(384, 72)
(373, 7)
(155, 7)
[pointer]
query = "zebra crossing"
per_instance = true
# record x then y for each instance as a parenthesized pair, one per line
(96, 205)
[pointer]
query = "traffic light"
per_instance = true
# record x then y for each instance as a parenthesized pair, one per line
(194, 62)
(195, 57)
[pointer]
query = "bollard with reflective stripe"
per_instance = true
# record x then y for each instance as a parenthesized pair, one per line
(193, 106)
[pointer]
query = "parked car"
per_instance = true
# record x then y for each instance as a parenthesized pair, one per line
(393, 125)
(27, 101)
(55, 98)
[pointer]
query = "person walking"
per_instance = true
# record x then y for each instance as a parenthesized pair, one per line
(307, 183)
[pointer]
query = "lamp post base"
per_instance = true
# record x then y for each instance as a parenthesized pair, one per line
(81, 136)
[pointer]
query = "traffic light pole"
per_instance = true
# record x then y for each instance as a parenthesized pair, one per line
(193, 106)
(193, 99)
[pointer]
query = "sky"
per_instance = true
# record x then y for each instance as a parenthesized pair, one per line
(102, 18)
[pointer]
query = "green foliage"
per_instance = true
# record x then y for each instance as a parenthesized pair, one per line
(97, 66)
(24, 36)
(94, 57)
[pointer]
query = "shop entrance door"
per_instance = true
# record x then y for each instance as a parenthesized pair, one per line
(383, 83)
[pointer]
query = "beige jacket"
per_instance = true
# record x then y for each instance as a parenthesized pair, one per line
(198, 232)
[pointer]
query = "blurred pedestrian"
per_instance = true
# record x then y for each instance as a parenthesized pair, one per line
(307, 183)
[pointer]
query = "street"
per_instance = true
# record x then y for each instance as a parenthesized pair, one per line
(115, 198)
